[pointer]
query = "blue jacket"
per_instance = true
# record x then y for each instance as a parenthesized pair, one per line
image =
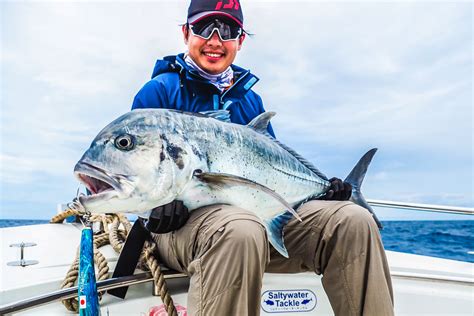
(174, 85)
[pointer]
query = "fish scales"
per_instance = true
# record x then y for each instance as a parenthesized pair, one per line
(260, 159)
(271, 152)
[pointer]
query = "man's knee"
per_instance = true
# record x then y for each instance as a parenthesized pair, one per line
(350, 234)
(245, 235)
(357, 218)
(241, 238)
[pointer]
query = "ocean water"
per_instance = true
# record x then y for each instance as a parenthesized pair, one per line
(444, 239)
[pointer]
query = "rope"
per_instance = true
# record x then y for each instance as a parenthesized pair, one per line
(160, 282)
(112, 234)
(59, 218)
(71, 277)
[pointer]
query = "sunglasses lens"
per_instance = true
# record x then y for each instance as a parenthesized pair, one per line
(226, 31)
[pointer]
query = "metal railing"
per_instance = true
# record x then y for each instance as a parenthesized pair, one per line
(422, 207)
(72, 291)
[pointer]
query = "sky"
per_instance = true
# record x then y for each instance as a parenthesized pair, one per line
(343, 77)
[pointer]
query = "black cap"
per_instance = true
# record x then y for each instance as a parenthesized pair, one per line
(200, 9)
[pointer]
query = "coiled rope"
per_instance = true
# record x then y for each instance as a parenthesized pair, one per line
(114, 229)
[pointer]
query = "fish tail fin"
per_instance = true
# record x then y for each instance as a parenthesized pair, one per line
(356, 177)
(274, 228)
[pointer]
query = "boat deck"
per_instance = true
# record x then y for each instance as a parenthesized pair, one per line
(422, 285)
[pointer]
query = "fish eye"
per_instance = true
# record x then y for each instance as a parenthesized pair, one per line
(125, 142)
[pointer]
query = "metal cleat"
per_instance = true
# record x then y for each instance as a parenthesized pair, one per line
(22, 262)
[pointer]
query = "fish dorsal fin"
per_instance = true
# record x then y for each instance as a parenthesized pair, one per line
(260, 123)
(305, 162)
(224, 179)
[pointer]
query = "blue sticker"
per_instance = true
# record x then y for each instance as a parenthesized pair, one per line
(285, 301)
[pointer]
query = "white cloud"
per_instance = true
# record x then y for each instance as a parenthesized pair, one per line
(393, 73)
(23, 170)
(346, 75)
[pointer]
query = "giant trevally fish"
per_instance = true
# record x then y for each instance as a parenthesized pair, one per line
(150, 157)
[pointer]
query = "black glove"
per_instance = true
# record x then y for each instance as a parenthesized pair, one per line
(338, 191)
(166, 218)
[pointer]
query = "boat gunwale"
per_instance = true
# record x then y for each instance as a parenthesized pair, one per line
(171, 274)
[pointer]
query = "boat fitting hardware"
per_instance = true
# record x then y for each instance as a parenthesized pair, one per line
(22, 262)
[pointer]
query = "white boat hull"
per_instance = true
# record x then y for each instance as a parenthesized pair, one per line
(422, 285)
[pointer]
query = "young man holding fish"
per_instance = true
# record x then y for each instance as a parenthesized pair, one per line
(224, 249)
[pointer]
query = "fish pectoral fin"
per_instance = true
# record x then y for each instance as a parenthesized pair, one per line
(274, 228)
(221, 180)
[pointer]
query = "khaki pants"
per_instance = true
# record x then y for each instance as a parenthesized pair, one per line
(224, 250)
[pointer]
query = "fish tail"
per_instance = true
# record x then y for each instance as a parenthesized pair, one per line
(356, 177)
(87, 286)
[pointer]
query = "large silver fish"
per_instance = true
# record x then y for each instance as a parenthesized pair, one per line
(147, 158)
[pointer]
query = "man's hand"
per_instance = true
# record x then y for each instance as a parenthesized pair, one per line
(166, 218)
(338, 191)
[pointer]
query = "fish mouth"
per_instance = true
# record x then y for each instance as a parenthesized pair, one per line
(97, 181)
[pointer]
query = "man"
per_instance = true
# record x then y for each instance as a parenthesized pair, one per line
(224, 249)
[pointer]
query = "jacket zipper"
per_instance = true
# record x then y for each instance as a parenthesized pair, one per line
(235, 83)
